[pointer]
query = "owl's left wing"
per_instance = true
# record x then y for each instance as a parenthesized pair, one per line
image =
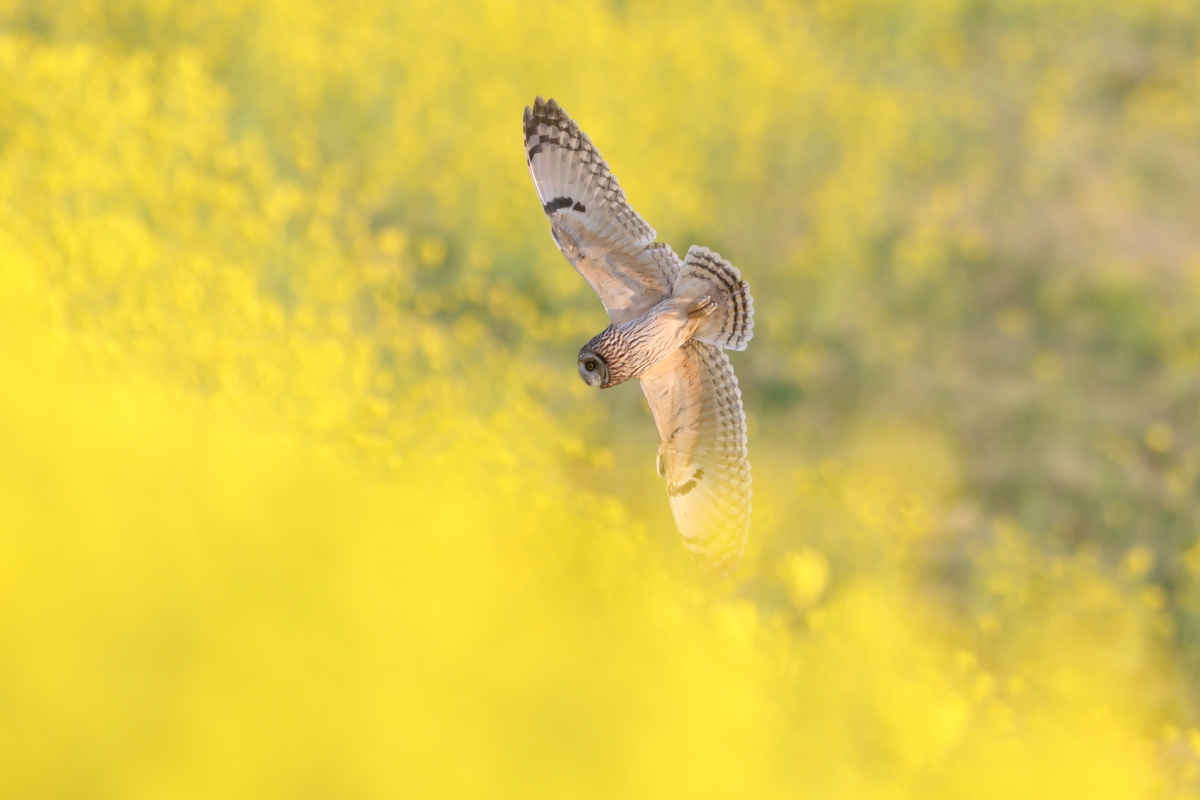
(697, 408)
(590, 219)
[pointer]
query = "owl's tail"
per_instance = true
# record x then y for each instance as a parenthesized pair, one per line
(706, 275)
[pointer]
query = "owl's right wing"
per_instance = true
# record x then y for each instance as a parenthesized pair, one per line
(592, 223)
(697, 408)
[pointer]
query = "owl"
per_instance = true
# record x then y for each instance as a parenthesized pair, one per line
(671, 321)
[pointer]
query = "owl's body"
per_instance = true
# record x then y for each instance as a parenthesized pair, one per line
(632, 348)
(670, 320)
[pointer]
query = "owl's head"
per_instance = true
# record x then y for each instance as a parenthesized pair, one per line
(604, 361)
(593, 369)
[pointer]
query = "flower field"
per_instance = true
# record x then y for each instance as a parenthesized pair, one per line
(301, 496)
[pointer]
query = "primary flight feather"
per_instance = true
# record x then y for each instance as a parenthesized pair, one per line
(671, 319)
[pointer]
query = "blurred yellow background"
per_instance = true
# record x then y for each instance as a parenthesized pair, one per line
(301, 497)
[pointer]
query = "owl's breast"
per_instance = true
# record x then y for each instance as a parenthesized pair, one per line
(658, 333)
(629, 350)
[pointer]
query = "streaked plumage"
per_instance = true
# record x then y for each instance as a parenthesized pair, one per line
(670, 321)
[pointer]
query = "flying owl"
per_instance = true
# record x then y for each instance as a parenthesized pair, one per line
(671, 320)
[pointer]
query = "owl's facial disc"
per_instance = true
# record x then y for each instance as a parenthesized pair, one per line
(592, 369)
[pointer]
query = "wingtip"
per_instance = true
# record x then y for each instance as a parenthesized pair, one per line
(542, 106)
(725, 568)
(550, 112)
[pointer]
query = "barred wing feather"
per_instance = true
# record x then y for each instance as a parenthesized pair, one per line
(697, 408)
(592, 223)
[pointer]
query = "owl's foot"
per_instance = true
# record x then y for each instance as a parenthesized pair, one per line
(704, 306)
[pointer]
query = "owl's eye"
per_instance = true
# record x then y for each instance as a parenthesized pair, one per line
(589, 365)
